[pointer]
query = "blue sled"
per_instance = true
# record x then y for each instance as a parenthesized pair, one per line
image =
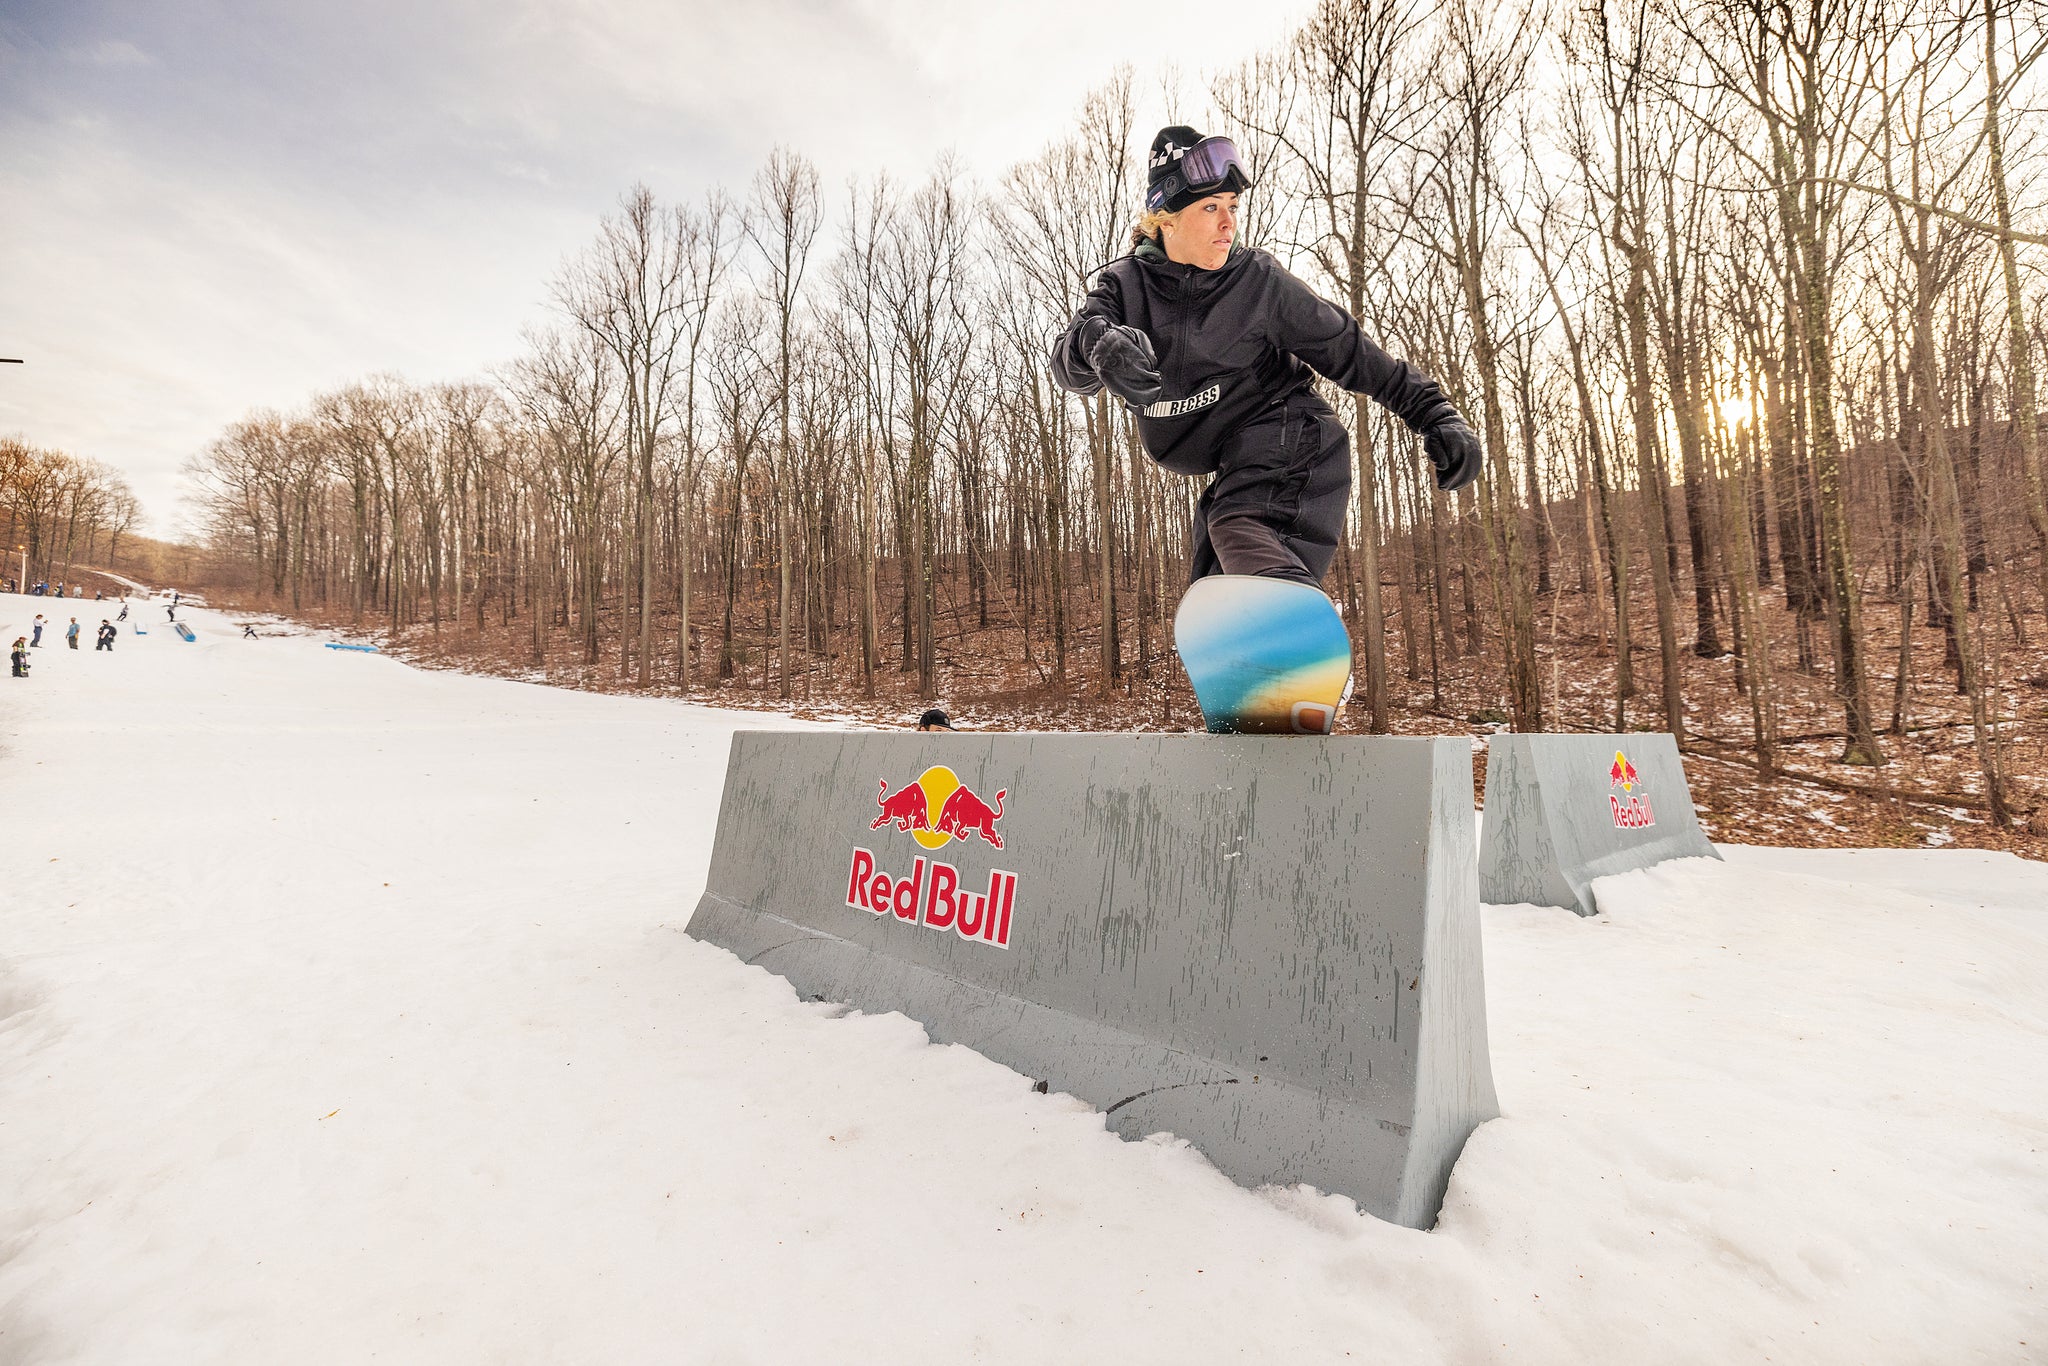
(337, 645)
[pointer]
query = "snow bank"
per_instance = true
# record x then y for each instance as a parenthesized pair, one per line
(345, 1014)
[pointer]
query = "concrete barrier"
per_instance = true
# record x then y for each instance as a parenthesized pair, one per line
(1562, 810)
(1267, 946)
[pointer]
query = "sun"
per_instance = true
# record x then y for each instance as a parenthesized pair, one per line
(1737, 409)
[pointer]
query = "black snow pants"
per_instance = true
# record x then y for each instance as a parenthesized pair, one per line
(1276, 506)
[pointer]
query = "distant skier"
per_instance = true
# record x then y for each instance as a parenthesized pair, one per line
(106, 636)
(36, 626)
(124, 611)
(1216, 347)
(172, 611)
(248, 630)
(71, 634)
(20, 657)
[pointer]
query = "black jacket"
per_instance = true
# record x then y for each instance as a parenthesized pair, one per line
(1232, 343)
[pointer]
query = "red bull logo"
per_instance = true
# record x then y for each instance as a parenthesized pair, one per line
(935, 809)
(961, 811)
(933, 897)
(1631, 809)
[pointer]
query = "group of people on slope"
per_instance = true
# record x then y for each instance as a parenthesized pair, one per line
(19, 657)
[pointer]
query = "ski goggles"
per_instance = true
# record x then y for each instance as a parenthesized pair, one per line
(1209, 166)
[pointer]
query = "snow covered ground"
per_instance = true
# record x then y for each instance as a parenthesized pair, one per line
(346, 1015)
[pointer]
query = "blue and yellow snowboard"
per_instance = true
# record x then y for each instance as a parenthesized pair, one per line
(1266, 656)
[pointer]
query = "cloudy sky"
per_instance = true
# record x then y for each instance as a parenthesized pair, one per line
(208, 206)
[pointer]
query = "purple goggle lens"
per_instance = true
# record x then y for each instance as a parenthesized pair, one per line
(1205, 168)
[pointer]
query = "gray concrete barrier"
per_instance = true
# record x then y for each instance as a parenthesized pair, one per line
(1562, 810)
(1267, 946)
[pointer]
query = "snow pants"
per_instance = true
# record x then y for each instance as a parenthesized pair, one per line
(1276, 506)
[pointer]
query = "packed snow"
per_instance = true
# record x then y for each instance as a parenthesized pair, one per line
(347, 1013)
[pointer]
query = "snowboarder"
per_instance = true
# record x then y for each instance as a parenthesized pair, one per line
(20, 657)
(106, 636)
(934, 719)
(36, 627)
(248, 630)
(172, 611)
(1215, 347)
(124, 611)
(71, 634)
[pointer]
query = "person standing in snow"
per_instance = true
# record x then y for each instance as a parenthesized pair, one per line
(106, 637)
(1216, 346)
(36, 627)
(20, 657)
(71, 634)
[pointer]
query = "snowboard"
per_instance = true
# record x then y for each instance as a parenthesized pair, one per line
(1266, 656)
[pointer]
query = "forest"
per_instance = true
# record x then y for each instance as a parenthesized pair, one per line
(59, 513)
(1743, 298)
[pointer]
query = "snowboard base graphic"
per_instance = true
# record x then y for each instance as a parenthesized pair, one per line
(1266, 656)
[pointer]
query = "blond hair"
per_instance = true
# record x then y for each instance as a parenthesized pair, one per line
(1148, 225)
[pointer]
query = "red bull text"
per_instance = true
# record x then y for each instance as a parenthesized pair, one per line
(931, 895)
(1632, 809)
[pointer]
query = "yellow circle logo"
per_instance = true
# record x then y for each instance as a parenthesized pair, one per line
(939, 784)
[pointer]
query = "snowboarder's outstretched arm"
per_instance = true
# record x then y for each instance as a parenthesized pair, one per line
(1330, 342)
(1100, 311)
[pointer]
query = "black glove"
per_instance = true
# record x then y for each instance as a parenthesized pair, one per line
(1454, 449)
(1123, 359)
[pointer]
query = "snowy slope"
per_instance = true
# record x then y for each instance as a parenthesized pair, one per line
(345, 1014)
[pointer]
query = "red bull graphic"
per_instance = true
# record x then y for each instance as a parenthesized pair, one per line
(961, 810)
(908, 808)
(967, 814)
(932, 894)
(1631, 809)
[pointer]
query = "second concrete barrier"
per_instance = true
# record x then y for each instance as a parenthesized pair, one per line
(1562, 810)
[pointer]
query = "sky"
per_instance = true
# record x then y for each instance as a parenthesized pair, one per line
(213, 206)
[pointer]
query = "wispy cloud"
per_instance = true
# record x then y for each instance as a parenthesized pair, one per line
(115, 52)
